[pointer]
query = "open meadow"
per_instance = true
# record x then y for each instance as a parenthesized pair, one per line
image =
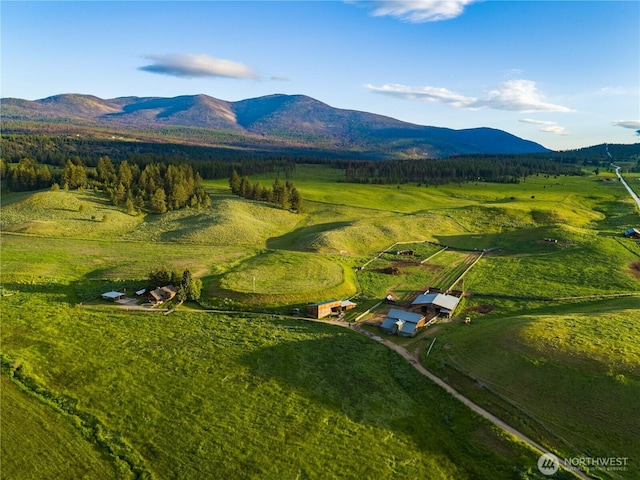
(248, 391)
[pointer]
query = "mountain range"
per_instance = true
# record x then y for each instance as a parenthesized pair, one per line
(274, 123)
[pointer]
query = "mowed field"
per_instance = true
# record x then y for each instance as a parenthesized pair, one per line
(201, 394)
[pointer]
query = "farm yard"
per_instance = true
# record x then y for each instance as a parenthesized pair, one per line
(551, 349)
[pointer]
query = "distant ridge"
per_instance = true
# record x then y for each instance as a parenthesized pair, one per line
(281, 123)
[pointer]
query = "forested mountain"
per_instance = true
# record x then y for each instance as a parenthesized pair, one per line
(276, 124)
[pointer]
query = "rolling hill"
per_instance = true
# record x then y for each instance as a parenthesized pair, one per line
(276, 123)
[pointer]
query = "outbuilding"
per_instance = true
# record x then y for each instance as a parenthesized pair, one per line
(113, 296)
(438, 303)
(402, 323)
(348, 305)
(324, 309)
(632, 233)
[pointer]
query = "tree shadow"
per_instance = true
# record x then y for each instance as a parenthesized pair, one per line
(373, 386)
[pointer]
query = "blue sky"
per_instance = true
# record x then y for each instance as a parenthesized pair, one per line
(563, 73)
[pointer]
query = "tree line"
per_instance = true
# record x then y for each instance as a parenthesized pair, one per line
(156, 187)
(284, 195)
(500, 169)
(209, 162)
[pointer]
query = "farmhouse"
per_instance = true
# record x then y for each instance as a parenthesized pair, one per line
(632, 233)
(324, 309)
(402, 323)
(162, 294)
(439, 303)
(113, 296)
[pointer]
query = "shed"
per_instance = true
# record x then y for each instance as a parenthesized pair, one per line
(632, 233)
(348, 305)
(439, 303)
(403, 323)
(324, 309)
(113, 296)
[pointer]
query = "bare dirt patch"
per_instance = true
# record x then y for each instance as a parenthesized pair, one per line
(375, 319)
(481, 308)
(635, 269)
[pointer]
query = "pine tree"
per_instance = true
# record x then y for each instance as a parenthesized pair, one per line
(159, 201)
(279, 194)
(295, 200)
(234, 183)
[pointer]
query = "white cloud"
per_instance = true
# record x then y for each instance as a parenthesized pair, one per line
(618, 91)
(634, 124)
(513, 95)
(189, 65)
(425, 94)
(557, 129)
(551, 127)
(520, 96)
(536, 122)
(416, 11)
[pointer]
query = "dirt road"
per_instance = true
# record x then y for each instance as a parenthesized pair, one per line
(476, 408)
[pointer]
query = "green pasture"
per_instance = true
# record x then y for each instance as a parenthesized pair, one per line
(251, 396)
(277, 278)
(196, 395)
(40, 441)
(570, 372)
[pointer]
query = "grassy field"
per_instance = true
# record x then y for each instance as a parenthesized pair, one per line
(42, 442)
(198, 394)
(570, 372)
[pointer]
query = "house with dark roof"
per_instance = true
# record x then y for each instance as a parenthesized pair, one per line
(162, 294)
(402, 323)
(438, 303)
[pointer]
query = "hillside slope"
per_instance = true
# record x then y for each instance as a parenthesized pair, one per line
(289, 121)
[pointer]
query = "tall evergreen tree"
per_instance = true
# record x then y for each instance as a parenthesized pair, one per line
(234, 183)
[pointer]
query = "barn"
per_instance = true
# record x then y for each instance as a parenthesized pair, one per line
(438, 303)
(324, 309)
(329, 307)
(402, 323)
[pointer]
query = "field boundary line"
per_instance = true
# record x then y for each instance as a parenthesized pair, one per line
(493, 389)
(466, 270)
(90, 427)
(446, 247)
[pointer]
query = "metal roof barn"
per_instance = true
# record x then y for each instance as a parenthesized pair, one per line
(442, 302)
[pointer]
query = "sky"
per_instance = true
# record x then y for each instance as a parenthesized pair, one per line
(565, 74)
